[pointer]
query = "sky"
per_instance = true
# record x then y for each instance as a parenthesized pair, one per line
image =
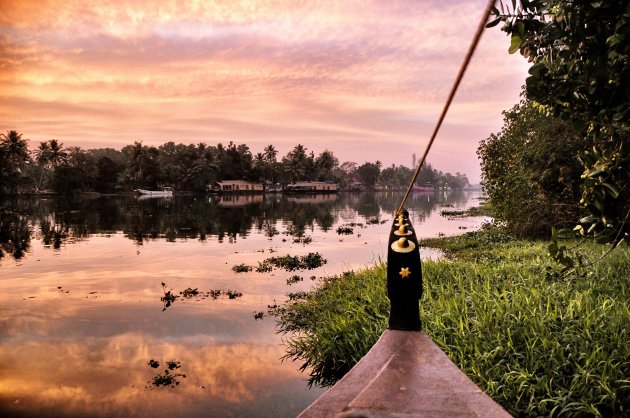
(366, 79)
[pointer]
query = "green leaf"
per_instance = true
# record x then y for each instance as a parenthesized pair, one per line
(588, 219)
(612, 190)
(596, 172)
(493, 23)
(566, 261)
(613, 40)
(515, 44)
(536, 69)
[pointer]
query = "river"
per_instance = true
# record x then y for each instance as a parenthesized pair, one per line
(96, 291)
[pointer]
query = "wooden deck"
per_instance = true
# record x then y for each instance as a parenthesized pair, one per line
(404, 375)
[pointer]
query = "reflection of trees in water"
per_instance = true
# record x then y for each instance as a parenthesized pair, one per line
(15, 234)
(63, 220)
(368, 205)
(421, 205)
(52, 232)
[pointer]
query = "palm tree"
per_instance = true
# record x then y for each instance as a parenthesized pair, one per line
(15, 149)
(135, 162)
(271, 153)
(42, 154)
(15, 154)
(259, 166)
(259, 160)
(57, 154)
(326, 162)
(295, 163)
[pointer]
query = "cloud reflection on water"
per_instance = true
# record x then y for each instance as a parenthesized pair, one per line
(80, 322)
(110, 376)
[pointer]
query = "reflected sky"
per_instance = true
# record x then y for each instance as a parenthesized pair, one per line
(81, 318)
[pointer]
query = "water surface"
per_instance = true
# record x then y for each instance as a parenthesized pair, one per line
(81, 283)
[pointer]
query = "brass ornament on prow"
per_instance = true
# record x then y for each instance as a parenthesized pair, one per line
(402, 230)
(404, 275)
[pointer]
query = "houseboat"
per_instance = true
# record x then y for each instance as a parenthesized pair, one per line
(239, 186)
(312, 187)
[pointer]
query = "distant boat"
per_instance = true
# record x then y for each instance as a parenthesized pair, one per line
(165, 191)
(423, 188)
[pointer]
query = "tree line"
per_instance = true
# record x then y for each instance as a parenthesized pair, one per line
(190, 168)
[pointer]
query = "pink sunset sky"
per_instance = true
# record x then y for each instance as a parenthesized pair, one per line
(365, 79)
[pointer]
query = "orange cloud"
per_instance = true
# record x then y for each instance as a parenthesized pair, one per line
(105, 74)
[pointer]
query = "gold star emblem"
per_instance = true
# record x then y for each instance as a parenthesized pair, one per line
(404, 272)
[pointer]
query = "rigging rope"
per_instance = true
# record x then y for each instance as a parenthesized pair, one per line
(462, 70)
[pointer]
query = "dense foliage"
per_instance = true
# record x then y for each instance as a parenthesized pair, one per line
(191, 168)
(537, 345)
(580, 55)
(531, 172)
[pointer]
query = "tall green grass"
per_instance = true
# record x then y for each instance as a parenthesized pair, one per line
(331, 329)
(538, 343)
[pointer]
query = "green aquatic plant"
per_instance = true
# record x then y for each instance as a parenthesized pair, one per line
(292, 262)
(453, 213)
(169, 297)
(345, 230)
(189, 292)
(172, 364)
(312, 261)
(294, 279)
(241, 268)
(166, 378)
(232, 294)
(264, 267)
(474, 211)
(195, 294)
(303, 240)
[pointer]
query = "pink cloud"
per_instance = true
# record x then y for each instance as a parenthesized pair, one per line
(325, 74)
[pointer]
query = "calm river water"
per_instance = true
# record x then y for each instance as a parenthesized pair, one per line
(81, 284)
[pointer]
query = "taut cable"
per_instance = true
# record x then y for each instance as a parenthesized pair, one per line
(462, 70)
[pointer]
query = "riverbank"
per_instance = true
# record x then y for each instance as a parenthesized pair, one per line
(538, 343)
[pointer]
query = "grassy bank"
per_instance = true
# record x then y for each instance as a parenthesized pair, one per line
(536, 342)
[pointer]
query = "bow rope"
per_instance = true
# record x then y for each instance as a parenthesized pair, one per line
(462, 70)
